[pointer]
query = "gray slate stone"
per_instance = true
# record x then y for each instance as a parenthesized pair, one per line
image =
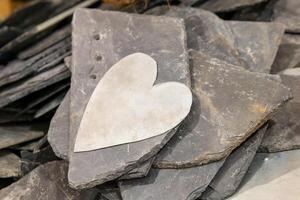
(217, 124)
(118, 36)
(288, 55)
(252, 45)
(284, 133)
(10, 136)
(170, 184)
(9, 165)
(228, 5)
(287, 12)
(25, 87)
(7, 34)
(229, 177)
(48, 181)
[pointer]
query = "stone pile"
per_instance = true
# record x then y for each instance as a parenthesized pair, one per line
(244, 76)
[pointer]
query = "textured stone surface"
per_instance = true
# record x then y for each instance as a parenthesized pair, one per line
(217, 124)
(170, 184)
(33, 84)
(9, 165)
(229, 177)
(252, 45)
(272, 176)
(228, 5)
(48, 181)
(287, 12)
(288, 55)
(284, 133)
(118, 36)
(10, 136)
(7, 34)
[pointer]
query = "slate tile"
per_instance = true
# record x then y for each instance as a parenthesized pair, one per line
(9, 165)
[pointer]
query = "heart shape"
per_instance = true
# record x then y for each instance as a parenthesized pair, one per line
(126, 107)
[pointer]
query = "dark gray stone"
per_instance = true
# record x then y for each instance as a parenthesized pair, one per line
(284, 133)
(9, 165)
(287, 12)
(288, 55)
(217, 124)
(48, 181)
(10, 136)
(228, 5)
(118, 36)
(170, 184)
(25, 87)
(252, 45)
(229, 177)
(7, 34)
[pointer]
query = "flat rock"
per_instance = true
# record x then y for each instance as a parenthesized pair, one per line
(217, 124)
(229, 177)
(10, 136)
(287, 12)
(170, 184)
(228, 5)
(48, 181)
(288, 55)
(9, 165)
(58, 137)
(7, 34)
(105, 41)
(284, 133)
(25, 87)
(252, 45)
(272, 176)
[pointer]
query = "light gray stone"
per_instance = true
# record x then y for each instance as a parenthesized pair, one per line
(10, 165)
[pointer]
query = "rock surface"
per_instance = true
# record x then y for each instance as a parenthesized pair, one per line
(272, 176)
(229, 177)
(170, 184)
(9, 165)
(284, 133)
(140, 32)
(10, 136)
(217, 124)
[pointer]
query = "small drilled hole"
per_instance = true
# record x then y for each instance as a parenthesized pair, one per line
(96, 37)
(93, 76)
(98, 57)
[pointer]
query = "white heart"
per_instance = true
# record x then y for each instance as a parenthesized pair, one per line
(125, 107)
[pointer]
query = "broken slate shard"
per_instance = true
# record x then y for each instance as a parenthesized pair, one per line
(58, 137)
(272, 176)
(228, 5)
(252, 45)
(217, 124)
(48, 181)
(288, 55)
(287, 12)
(147, 110)
(10, 165)
(229, 177)
(170, 184)
(10, 136)
(106, 46)
(284, 132)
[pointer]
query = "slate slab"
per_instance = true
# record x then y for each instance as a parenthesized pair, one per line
(58, 137)
(170, 184)
(10, 136)
(9, 165)
(272, 176)
(287, 12)
(7, 34)
(288, 55)
(217, 124)
(228, 5)
(229, 177)
(105, 40)
(284, 133)
(252, 45)
(25, 87)
(48, 181)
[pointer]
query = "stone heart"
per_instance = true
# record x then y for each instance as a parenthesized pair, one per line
(126, 107)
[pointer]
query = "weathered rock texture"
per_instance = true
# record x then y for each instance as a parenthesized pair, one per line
(217, 124)
(96, 47)
(10, 165)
